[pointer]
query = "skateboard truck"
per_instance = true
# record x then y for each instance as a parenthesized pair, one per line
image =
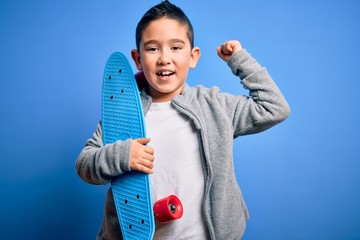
(168, 208)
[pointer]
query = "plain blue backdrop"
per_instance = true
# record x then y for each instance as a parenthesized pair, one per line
(300, 179)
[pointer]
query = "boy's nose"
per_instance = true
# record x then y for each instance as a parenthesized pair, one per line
(164, 59)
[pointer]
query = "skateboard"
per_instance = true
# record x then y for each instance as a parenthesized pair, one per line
(122, 118)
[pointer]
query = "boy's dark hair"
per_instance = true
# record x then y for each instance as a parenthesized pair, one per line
(167, 10)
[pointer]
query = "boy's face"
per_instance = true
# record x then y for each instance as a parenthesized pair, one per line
(165, 56)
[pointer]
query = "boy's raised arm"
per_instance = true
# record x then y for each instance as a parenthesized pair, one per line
(266, 105)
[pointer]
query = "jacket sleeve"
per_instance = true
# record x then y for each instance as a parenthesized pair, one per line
(97, 164)
(265, 106)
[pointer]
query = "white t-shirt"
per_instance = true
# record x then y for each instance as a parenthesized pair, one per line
(177, 169)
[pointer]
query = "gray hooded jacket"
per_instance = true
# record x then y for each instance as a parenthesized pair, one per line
(219, 118)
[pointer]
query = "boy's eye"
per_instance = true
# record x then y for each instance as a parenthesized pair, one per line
(152, 49)
(176, 48)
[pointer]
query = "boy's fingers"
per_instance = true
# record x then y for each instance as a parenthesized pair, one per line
(143, 165)
(149, 157)
(149, 150)
(231, 46)
(148, 164)
(148, 170)
(227, 49)
(143, 141)
(145, 168)
(224, 56)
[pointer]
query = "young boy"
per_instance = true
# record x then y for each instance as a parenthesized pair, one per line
(191, 130)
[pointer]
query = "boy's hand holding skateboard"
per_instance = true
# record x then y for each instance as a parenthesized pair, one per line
(141, 156)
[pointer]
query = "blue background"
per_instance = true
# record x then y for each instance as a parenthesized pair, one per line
(300, 179)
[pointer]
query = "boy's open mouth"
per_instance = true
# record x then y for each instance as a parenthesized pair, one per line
(165, 73)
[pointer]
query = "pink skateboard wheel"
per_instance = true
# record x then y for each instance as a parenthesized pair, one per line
(168, 208)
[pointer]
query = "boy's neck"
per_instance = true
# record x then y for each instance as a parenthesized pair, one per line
(158, 97)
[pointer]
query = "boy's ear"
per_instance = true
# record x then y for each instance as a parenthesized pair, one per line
(195, 55)
(136, 57)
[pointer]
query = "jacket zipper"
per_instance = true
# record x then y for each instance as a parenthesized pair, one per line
(197, 123)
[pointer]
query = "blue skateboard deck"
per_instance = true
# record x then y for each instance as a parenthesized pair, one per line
(123, 118)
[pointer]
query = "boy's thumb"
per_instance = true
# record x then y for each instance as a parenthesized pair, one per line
(143, 141)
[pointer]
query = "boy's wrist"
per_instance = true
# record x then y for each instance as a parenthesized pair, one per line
(236, 59)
